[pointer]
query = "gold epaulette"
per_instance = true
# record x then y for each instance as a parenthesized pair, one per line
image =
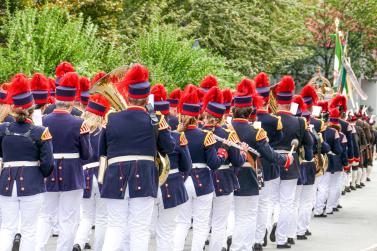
(182, 139)
(279, 124)
(84, 128)
(307, 127)
(233, 137)
(162, 125)
(261, 134)
(46, 135)
(323, 126)
(209, 139)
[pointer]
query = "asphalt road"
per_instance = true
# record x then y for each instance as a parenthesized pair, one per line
(354, 228)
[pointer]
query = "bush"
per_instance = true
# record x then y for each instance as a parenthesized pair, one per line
(173, 62)
(38, 40)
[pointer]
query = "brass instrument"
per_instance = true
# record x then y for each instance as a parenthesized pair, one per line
(322, 85)
(106, 88)
(273, 104)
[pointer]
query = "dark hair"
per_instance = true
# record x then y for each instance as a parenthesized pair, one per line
(138, 102)
(22, 114)
(39, 106)
(212, 119)
(242, 112)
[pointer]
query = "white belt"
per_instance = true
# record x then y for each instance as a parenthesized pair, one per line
(247, 164)
(129, 158)
(284, 151)
(223, 167)
(331, 153)
(20, 163)
(90, 165)
(66, 155)
(199, 165)
(171, 171)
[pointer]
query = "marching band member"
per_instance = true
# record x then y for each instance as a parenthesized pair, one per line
(199, 183)
(173, 100)
(93, 208)
(304, 191)
(333, 173)
(293, 129)
(5, 105)
(62, 69)
(172, 194)
(130, 142)
(269, 194)
(22, 177)
(40, 87)
(71, 144)
(246, 198)
(224, 178)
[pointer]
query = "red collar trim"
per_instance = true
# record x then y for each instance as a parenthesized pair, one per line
(29, 121)
(192, 126)
(262, 111)
(241, 120)
(136, 108)
(285, 112)
(57, 110)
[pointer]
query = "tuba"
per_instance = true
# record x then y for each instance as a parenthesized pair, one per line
(105, 86)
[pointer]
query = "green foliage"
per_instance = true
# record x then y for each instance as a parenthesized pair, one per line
(38, 40)
(174, 62)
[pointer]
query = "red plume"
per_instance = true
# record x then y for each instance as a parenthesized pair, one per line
(189, 97)
(208, 82)
(190, 88)
(324, 105)
(5, 86)
(176, 94)
(20, 84)
(201, 94)
(334, 113)
(63, 68)
(137, 74)
(97, 77)
(338, 100)
(245, 88)
(84, 84)
(213, 95)
(261, 80)
(309, 91)
(70, 79)
(39, 82)
(51, 84)
(298, 100)
(286, 84)
(258, 101)
(99, 99)
(159, 92)
(227, 95)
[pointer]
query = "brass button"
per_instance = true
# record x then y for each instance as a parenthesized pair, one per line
(137, 175)
(169, 195)
(22, 188)
(220, 190)
(8, 178)
(60, 168)
(138, 188)
(217, 181)
(21, 178)
(88, 178)
(120, 177)
(200, 185)
(60, 178)
(166, 184)
(197, 176)
(7, 188)
(121, 189)
(52, 179)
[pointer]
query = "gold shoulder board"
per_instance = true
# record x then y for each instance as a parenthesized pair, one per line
(162, 125)
(84, 128)
(46, 135)
(209, 139)
(233, 137)
(261, 134)
(182, 139)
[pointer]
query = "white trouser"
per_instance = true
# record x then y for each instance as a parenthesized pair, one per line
(220, 212)
(359, 174)
(14, 209)
(335, 182)
(68, 208)
(345, 181)
(230, 221)
(134, 214)
(354, 177)
(305, 208)
(369, 171)
(93, 211)
(317, 181)
(245, 212)
(364, 175)
(263, 208)
(296, 204)
(273, 186)
(286, 201)
(199, 209)
(165, 225)
(322, 193)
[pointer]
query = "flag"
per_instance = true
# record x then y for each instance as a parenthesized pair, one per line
(337, 60)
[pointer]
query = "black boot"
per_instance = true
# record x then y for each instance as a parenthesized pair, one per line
(87, 246)
(344, 192)
(257, 247)
(76, 247)
(283, 246)
(16, 242)
(308, 233)
(358, 186)
(322, 215)
(228, 243)
(339, 206)
(291, 241)
(302, 237)
(265, 239)
(362, 184)
(353, 188)
(348, 189)
(272, 234)
(335, 209)
(368, 179)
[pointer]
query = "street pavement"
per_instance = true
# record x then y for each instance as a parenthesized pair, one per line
(354, 228)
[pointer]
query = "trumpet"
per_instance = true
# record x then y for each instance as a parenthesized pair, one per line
(235, 145)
